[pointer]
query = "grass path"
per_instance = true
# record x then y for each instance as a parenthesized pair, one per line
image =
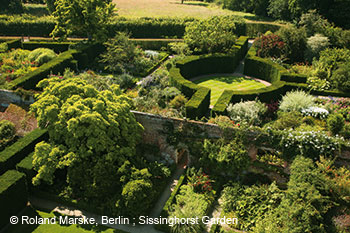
(171, 8)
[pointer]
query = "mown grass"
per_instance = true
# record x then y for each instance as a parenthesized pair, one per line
(219, 83)
(173, 8)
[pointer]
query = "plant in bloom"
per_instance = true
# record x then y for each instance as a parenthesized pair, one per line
(316, 112)
(270, 46)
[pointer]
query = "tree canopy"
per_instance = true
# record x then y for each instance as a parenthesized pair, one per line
(92, 133)
(86, 17)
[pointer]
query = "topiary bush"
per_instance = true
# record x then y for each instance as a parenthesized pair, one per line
(335, 123)
(296, 101)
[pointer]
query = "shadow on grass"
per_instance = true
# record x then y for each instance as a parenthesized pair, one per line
(225, 79)
(191, 3)
(24, 228)
(258, 18)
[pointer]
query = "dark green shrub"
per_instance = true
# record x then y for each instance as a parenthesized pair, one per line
(13, 195)
(51, 5)
(270, 46)
(136, 192)
(7, 130)
(295, 39)
(341, 77)
(335, 123)
(287, 120)
(125, 81)
(17, 151)
(11, 6)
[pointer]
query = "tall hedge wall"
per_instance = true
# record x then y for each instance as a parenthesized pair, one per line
(138, 28)
(20, 149)
(193, 66)
(198, 105)
(58, 47)
(13, 195)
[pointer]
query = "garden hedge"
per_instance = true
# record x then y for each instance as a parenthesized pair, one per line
(26, 167)
(20, 149)
(193, 66)
(73, 58)
(154, 44)
(171, 200)
(198, 105)
(56, 65)
(137, 28)
(58, 47)
(13, 195)
(165, 56)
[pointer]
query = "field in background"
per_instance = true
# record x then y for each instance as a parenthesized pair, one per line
(172, 8)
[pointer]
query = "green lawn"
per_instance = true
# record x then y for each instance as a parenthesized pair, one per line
(218, 84)
(173, 8)
(56, 228)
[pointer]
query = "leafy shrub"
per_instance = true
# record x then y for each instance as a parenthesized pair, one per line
(180, 48)
(123, 56)
(307, 143)
(134, 193)
(313, 23)
(335, 123)
(170, 93)
(330, 60)
(278, 9)
(270, 46)
(295, 41)
(249, 204)
(7, 130)
(11, 6)
(222, 121)
(189, 204)
(346, 131)
(249, 112)
(287, 120)
(296, 101)
(341, 77)
(41, 55)
(316, 112)
(229, 157)
(213, 35)
(315, 45)
(178, 102)
(125, 81)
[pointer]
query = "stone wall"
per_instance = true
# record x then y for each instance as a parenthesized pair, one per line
(9, 97)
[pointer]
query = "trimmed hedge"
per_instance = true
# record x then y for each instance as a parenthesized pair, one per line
(293, 78)
(262, 68)
(273, 92)
(193, 66)
(26, 167)
(14, 44)
(59, 64)
(17, 151)
(153, 68)
(58, 47)
(199, 104)
(13, 195)
(137, 27)
(154, 44)
(171, 200)
(73, 59)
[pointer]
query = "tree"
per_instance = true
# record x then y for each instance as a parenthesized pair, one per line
(91, 134)
(213, 35)
(83, 17)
